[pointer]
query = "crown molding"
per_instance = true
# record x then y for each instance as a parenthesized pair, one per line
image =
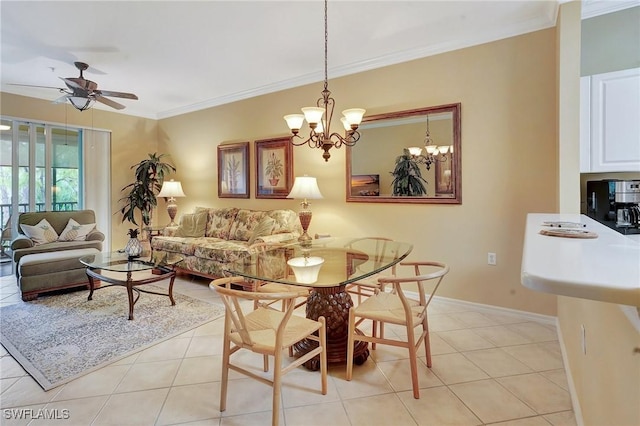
(592, 8)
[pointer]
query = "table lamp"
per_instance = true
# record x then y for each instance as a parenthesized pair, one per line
(171, 189)
(305, 187)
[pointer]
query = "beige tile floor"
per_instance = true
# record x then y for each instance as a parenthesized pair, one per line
(488, 368)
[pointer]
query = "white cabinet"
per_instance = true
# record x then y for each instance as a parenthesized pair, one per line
(610, 122)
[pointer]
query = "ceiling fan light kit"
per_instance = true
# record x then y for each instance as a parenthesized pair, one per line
(83, 93)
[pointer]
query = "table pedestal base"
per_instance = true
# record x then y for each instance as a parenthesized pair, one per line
(332, 303)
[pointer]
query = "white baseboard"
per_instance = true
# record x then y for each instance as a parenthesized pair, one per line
(575, 402)
(527, 316)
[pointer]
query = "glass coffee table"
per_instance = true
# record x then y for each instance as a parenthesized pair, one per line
(120, 263)
(327, 266)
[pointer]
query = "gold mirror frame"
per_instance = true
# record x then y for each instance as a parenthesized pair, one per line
(442, 187)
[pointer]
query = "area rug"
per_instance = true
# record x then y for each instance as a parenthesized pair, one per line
(59, 338)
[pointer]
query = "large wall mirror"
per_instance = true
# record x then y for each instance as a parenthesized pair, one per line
(426, 142)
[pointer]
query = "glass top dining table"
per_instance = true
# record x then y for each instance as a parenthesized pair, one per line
(327, 265)
(325, 262)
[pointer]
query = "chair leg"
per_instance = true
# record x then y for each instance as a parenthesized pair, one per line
(323, 355)
(374, 332)
(224, 381)
(427, 340)
(350, 343)
(277, 382)
(413, 359)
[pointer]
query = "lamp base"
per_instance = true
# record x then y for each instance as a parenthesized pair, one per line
(305, 219)
(172, 209)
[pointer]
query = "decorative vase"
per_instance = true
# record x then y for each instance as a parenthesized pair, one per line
(133, 247)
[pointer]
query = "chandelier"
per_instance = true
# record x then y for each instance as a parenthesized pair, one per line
(433, 152)
(319, 117)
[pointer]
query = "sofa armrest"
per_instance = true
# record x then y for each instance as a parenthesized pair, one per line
(278, 238)
(21, 242)
(95, 235)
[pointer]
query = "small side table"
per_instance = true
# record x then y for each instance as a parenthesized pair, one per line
(153, 231)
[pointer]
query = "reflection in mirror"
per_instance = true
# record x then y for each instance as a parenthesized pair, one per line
(408, 157)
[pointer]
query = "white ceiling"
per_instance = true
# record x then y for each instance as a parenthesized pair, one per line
(182, 56)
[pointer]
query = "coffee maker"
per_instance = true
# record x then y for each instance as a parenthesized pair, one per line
(615, 203)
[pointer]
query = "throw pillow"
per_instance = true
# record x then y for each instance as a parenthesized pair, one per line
(262, 229)
(41, 233)
(192, 225)
(76, 232)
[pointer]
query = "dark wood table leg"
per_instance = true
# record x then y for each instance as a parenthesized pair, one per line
(333, 304)
(91, 285)
(173, 277)
(130, 294)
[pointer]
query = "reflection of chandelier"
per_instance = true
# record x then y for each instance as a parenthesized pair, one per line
(433, 151)
(320, 123)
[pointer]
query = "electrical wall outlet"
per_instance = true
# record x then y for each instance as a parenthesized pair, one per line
(491, 259)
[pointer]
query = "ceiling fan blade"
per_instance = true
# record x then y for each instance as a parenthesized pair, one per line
(72, 84)
(115, 94)
(33, 85)
(109, 102)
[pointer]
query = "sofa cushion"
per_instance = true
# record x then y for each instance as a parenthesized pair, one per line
(285, 221)
(192, 225)
(58, 219)
(264, 228)
(244, 224)
(221, 250)
(41, 233)
(183, 245)
(220, 221)
(76, 232)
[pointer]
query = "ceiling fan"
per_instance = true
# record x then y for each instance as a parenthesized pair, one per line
(82, 93)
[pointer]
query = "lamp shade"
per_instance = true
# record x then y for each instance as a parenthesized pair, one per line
(305, 187)
(171, 189)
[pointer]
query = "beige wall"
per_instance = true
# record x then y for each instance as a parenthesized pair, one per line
(131, 139)
(508, 95)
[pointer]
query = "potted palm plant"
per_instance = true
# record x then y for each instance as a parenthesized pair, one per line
(149, 175)
(407, 177)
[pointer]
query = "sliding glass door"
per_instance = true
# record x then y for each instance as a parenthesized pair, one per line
(42, 169)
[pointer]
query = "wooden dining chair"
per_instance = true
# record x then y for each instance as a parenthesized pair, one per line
(367, 286)
(268, 332)
(395, 307)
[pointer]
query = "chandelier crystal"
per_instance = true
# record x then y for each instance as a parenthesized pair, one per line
(319, 117)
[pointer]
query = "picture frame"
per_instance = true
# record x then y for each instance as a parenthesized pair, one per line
(274, 168)
(233, 170)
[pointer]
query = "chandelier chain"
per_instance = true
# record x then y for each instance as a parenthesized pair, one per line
(326, 49)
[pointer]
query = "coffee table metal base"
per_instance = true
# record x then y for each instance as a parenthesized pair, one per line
(131, 285)
(333, 303)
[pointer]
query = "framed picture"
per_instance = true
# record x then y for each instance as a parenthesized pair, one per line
(365, 185)
(274, 168)
(233, 170)
(444, 177)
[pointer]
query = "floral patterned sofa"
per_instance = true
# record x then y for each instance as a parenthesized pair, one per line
(211, 238)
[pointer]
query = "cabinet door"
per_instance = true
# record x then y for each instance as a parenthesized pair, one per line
(615, 121)
(585, 124)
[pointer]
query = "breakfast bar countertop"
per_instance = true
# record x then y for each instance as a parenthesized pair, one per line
(606, 268)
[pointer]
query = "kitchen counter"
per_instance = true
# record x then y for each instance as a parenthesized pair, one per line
(606, 268)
